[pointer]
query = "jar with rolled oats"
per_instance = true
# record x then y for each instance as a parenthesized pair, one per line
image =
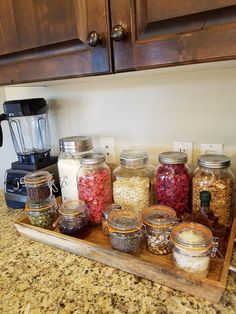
(214, 175)
(133, 185)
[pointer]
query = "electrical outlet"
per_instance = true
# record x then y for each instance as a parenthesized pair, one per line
(185, 147)
(107, 147)
(211, 149)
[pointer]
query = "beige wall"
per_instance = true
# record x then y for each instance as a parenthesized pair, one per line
(148, 109)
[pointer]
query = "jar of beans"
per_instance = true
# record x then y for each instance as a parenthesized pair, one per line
(132, 188)
(193, 246)
(158, 221)
(74, 218)
(125, 231)
(172, 182)
(38, 185)
(214, 175)
(94, 185)
(42, 213)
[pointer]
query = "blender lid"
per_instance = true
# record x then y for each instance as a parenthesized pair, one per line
(25, 107)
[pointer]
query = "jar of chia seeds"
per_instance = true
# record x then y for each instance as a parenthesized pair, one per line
(74, 218)
(94, 185)
(125, 231)
(193, 245)
(132, 188)
(105, 215)
(38, 185)
(158, 221)
(42, 213)
(172, 182)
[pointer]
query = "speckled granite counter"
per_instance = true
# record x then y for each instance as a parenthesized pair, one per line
(38, 279)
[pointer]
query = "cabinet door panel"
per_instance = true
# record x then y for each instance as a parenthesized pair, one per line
(42, 40)
(171, 32)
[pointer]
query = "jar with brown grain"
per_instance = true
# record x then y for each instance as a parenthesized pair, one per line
(38, 185)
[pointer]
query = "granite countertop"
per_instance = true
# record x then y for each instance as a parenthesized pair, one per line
(36, 279)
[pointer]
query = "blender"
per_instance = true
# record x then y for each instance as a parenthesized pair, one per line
(29, 128)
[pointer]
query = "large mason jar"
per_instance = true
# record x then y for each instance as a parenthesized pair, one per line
(214, 175)
(94, 185)
(172, 182)
(72, 149)
(132, 188)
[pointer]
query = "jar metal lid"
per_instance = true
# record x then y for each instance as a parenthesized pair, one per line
(31, 205)
(124, 221)
(159, 216)
(109, 208)
(73, 208)
(92, 159)
(191, 236)
(37, 178)
(75, 144)
(133, 158)
(173, 158)
(214, 161)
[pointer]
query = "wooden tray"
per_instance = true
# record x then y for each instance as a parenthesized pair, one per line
(96, 246)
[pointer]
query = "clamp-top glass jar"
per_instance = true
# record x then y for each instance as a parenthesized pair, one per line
(94, 185)
(132, 188)
(38, 185)
(214, 175)
(125, 231)
(172, 182)
(72, 148)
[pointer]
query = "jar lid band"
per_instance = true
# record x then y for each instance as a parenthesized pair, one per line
(214, 161)
(132, 158)
(173, 158)
(75, 144)
(37, 178)
(92, 159)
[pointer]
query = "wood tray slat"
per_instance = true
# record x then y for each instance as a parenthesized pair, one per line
(96, 246)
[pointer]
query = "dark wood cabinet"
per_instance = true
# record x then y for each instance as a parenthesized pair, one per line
(45, 39)
(52, 39)
(170, 32)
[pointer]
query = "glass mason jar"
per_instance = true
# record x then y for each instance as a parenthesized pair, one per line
(74, 218)
(72, 148)
(214, 175)
(42, 213)
(105, 215)
(38, 185)
(125, 231)
(193, 245)
(132, 188)
(158, 221)
(94, 185)
(172, 182)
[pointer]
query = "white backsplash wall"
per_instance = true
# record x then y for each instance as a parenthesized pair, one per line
(146, 110)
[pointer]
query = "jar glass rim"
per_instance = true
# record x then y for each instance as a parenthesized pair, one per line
(32, 205)
(124, 220)
(133, 158)
(37, 178)
(73, 208)
(159, 215)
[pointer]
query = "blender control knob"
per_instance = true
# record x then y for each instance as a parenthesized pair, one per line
(16, 184)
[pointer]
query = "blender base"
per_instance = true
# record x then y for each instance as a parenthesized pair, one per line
(35, 166)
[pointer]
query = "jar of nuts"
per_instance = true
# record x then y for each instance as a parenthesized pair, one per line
(158, 221)
(125, 231)
(214, 175)
(132, 188)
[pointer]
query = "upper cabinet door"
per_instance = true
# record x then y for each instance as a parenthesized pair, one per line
(44, 39)
(154, 33)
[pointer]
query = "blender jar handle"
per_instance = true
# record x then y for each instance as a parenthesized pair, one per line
(2, 118)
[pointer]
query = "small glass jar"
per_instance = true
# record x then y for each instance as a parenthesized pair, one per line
(42, 213)
(38, 185)
(94, 185)
(105, 215)
(132, 188)
(72, 148)
(158, 221)
(172, 182)
(125, 231)
(74, 218)
(214, 175)
(193, 245)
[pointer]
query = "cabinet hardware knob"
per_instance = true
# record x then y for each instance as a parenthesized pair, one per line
(93, 39)
(118, 33)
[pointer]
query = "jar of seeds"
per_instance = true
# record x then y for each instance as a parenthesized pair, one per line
(132, 188)
(158, 221)
(105, 216)
(214, 175)
(125, 231)
(42, 213)
(38, 185)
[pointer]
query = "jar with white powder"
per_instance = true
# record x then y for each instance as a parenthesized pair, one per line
(72, 149)
(193, 246)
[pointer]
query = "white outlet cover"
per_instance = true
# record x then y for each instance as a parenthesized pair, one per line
(107, 147)
(212, 149)
(186, 147)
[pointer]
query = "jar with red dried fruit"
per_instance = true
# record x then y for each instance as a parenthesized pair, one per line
(94, 185)
(172, 182)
